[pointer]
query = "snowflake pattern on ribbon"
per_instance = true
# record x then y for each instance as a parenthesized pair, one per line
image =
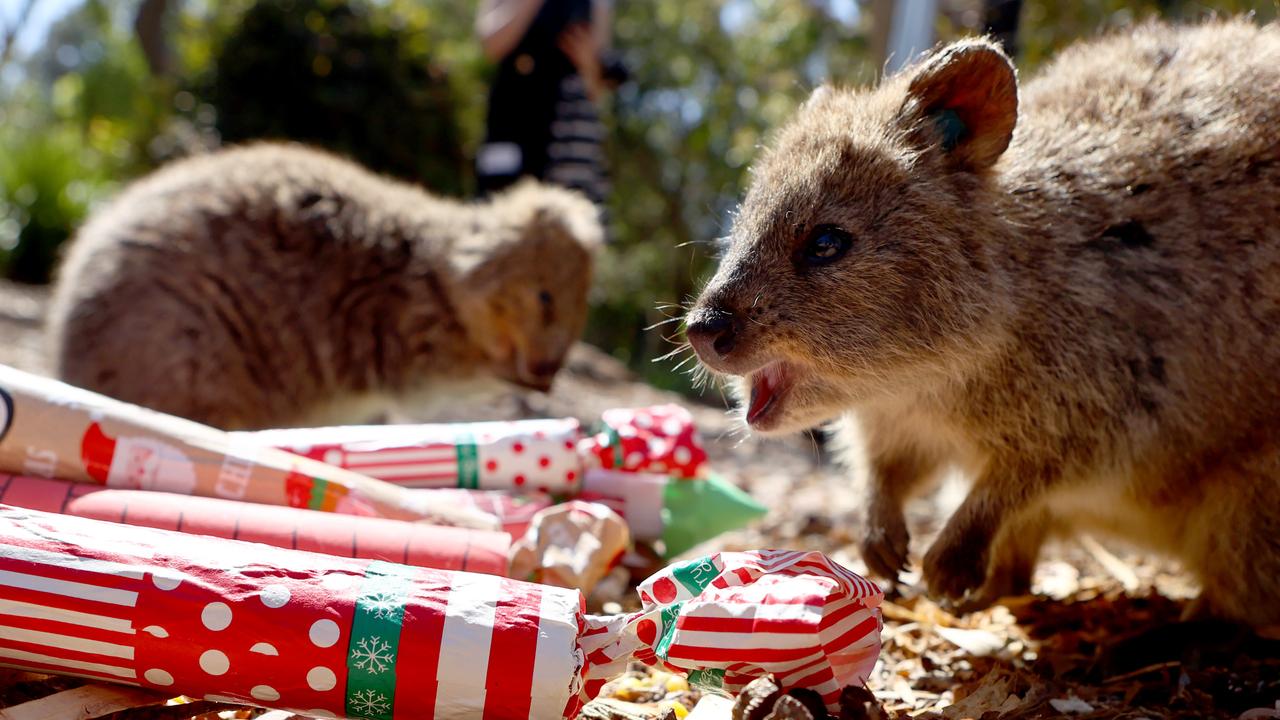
(373, 655)
(370, 703)
(383, 605)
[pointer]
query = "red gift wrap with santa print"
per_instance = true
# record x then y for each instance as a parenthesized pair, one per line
(248, 623)
(53, 430)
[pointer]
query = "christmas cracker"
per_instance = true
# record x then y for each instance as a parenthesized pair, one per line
(418, 544)
(545, 455)
(336, 637)
(53, 430)
(647, 464)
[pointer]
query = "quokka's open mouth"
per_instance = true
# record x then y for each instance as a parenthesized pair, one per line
(769, 386)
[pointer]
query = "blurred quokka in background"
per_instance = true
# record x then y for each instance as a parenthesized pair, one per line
(1072, 294)
(275, 285)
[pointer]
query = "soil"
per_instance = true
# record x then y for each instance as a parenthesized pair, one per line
(1100, 638)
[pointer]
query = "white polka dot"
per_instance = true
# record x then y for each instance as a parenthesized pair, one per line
(214, 662)
(156, 631)
(274, 596)
(683, 455)
(672, 427)
(264, 692)
(324, 633)
(320, 678)
(626, 431)
(634, 459)
(643, 420)
(657, 447)
(321, 713)
(333, 457)
(264, 649)
(336, 581)
(156, 676)
(216, 616)
(165, 579)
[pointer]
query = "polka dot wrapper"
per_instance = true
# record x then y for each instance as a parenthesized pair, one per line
(522, 456)
(320, 635)
(660, 439)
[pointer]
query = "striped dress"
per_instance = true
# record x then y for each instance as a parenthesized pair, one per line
(540, 121)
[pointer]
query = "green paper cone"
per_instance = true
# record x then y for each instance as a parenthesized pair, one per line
(698, 510)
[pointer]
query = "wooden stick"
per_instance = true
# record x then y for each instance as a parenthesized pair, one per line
(1114, 565)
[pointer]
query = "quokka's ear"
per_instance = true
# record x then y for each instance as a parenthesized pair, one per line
(552, 211)
(964, 98)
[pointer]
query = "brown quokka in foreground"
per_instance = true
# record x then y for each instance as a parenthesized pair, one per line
(1073, 295)
(275, 285)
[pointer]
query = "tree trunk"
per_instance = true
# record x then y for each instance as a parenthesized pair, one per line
(149, 25)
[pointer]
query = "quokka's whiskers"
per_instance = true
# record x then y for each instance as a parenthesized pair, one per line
(660, 323)
(682, 347)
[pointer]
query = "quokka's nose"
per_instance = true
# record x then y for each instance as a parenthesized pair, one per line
(712, 332)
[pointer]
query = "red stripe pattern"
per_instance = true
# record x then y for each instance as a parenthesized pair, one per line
(255, 624)
(796, 615)
(524, 455)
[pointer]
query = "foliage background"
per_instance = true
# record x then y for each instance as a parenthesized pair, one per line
(400, 85)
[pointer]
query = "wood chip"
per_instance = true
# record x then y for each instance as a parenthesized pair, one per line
(978, 643)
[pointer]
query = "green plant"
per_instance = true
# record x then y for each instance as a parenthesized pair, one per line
(338, 74)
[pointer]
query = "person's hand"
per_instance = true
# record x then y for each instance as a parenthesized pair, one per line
(579, 44)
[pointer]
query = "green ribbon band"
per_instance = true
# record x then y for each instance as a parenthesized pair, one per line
(696, 575)
(468, 461)
(375, 641)
(708, 680)
(615, 443)
(669, 615)
(318, 487)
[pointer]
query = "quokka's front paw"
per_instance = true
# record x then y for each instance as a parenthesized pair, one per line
(884, 549)
(954, 567)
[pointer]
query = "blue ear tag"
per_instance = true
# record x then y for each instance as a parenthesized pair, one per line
(950, 127)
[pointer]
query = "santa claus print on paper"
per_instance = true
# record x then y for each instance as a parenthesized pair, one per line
(136, 463)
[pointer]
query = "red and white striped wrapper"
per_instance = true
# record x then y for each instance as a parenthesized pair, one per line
(729, 618)
(522, 455)
(418, 544)
(316, 634)
(327, 636)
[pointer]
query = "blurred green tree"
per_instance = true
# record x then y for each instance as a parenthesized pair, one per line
(337, 74)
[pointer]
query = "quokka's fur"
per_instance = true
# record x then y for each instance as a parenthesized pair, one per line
(275, 285)
(1081, 313)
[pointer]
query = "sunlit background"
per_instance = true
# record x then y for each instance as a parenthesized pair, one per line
(93, 93)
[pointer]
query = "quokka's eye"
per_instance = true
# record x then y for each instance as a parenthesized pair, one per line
(826, 244)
